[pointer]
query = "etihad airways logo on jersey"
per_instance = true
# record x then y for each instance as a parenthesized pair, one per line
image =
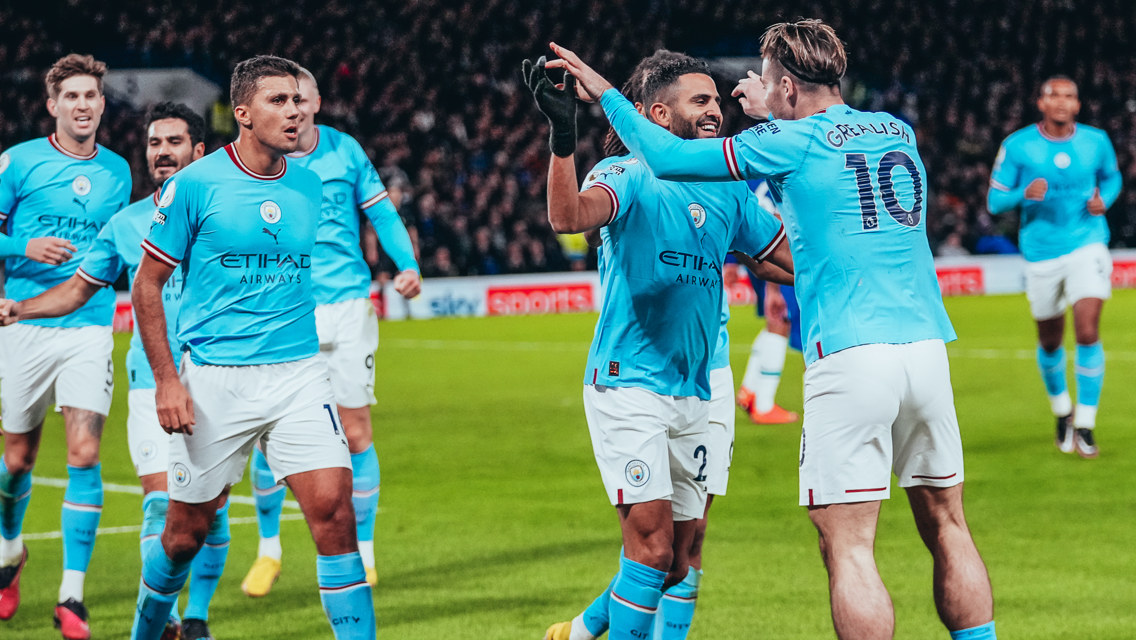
(284, 264)
(69, 228)
(698, 265)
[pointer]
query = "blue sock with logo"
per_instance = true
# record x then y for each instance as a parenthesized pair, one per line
(269, 496)
(82, 509)
(634, 600)
(162, 580)
(676, 609)
(596, 617)
(346, 596)
(154, 508)
(205, 572)
(365, 498)
(1052, 366)
(984, 632)
(1089, 368)
(15, 493)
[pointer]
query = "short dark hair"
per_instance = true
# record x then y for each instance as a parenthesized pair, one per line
(1058, 78)
(177, 111)
(808, 49)
(71, 65)
(248, 73)
(650, 82)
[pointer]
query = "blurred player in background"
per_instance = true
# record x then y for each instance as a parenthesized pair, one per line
(174, 138)
(56, 194)
(877, 387)
(1063, 177)
(654, 364)
(777, 303)
(345, 321)
(246, 223)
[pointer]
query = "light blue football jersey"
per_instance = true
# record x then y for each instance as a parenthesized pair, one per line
(721, 357)
(245, 244)
(1074, 167)
(118, 248)
(350, 185)
(48, 191)
(852, 189)
(661, 316)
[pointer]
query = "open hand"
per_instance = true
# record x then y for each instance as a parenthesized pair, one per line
(750, 92)
(53, 251)
(589, 84)
(1036, 190)
(1096, 204)
(408, 283)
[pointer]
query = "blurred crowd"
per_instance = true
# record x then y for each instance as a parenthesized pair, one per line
(431, 88)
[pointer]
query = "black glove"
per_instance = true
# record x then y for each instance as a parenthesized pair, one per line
(558, 105)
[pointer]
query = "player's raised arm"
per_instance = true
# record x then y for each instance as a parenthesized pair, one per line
(569, 209)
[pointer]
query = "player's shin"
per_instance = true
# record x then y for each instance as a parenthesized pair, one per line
(162, 580)
(1089, 367)
(634, 600)
(15, 493)
(82, 509)
(207, 567)
(154, 508)
(1052, 366)
(269, 505)
(346, 596)
(365, 498)
(763, 372)
(676, 609)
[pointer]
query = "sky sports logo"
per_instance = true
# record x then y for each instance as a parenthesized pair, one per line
(540, 299)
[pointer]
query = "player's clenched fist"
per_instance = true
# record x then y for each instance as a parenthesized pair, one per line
(1036, 190)
(175, 408)
(7, 316)
(1096, 204)
(53, 251)
(408, 283)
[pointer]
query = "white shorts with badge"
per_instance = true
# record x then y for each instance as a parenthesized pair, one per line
(288, 406)
(348, 336)
(149, 444)
(873, 409)
(649, 446)
(42, 366)
(720, 433)
(1051, 285)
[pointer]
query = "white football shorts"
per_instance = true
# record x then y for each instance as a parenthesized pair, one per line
(348, 336)
(649, 446)
(873, 409)
(42, 366)
(149, 444)
(720, 433)
(288, 406)
(1051, 285)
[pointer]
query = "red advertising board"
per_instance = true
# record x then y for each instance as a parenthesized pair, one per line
(540, 299)
(1124, 274)
(961, 281)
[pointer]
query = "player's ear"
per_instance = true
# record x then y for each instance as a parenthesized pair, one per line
(319, 103)
(198, 151)
(241, 115)
(52, 108)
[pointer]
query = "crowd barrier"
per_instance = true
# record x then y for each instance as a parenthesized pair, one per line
(575, 292)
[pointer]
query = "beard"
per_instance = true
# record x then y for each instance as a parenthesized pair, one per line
(689, 130)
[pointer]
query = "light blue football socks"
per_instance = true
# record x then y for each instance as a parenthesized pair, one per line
(82, 509)
(15, 493)
(154, 508)
(346, 596)
(162, 580)
(984, 632)
(207, 566)
(269, 505)
(365, 497)
(1052, 366)
(676, 609)
(1089, 368)
(634, 600)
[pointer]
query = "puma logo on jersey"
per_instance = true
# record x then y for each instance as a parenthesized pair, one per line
(277, 240)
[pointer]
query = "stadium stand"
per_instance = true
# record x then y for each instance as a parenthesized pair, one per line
(431, 87)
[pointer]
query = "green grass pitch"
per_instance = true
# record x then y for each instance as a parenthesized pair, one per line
(494, 524)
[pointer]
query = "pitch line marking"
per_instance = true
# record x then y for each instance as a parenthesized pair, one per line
(61, 483)
(54, 535)
(505, 345)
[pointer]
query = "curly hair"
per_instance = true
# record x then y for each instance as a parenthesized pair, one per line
(71, 65)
